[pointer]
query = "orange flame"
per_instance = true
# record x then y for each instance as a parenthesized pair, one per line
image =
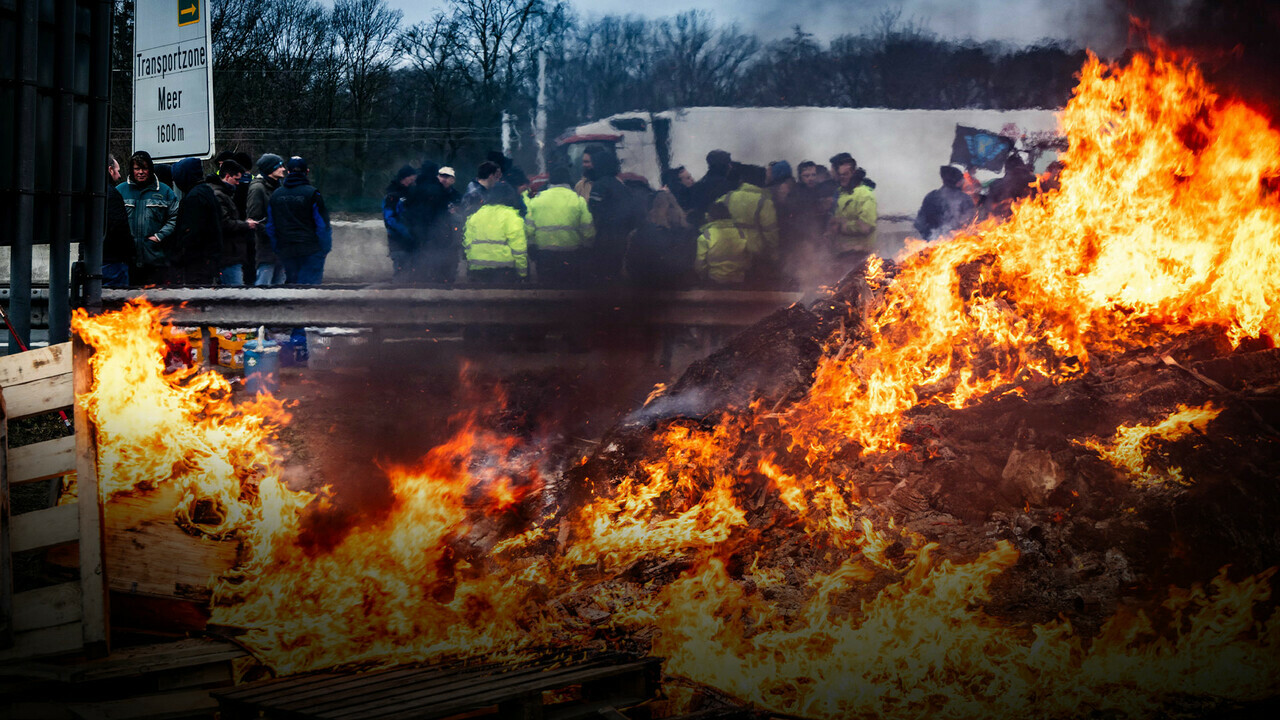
(1161, 224)
(1130, 447)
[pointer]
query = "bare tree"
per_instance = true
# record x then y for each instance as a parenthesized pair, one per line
(699, 64)
(499, 36)
(438, 87)
(365, 32)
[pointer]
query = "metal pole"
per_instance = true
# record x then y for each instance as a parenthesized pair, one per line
(64, 146)
(95, 165)
(20, 252)
(540, 132)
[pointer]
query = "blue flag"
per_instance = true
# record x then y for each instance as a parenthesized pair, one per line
(980, 148)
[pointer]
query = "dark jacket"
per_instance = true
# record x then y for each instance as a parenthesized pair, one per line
(944, 211)
(714, 185)
(197, 249)
(399, 239)
(237, 237)
(615, 210)
(297, 220)
(117, 241)
(426, 210)
(260, 191)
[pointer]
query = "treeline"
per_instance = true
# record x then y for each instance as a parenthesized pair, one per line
(360, 91)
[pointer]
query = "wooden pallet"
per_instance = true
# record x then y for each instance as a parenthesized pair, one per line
(597, 687)
(71, 616)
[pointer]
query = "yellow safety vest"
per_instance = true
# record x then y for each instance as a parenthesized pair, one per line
(495, 239)
(724, 252)
(558, 219)
(752, 211)
(852, 206)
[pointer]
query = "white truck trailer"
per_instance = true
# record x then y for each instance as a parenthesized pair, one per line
(900, 149)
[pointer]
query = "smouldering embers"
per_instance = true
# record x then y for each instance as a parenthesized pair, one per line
(1162, 224)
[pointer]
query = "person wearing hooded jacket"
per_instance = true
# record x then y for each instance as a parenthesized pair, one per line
(752, 211)
(237, 234)
(268, 269)
(153, 209)
(614, 210)
(495, 243)
(560, 231)
(435, 256)
(947, 209)
(399, 238)
(298, 225)
(197, 246)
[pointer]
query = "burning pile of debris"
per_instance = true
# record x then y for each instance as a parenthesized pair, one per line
(960, 485)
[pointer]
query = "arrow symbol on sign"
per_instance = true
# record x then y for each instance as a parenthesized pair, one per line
(190, 10)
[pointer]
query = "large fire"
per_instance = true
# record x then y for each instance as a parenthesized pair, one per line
(1162, 224)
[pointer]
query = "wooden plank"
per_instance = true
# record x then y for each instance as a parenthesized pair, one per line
(6, 550)
(35, 364)
(147, 554)
(93, 581)
(163, 706)
(46, 607)
(44, 395)
(42, 460)
(282, 690)
(46, 641)
(325, 688)
(133, 662)
(325, 701)
(432, 703)
(45, 528)
(442, 707)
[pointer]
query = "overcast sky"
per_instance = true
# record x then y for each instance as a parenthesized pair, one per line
(1097, 24)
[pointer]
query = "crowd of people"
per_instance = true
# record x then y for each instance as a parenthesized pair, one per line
(740, 225)
(734, 227)
(178, 226)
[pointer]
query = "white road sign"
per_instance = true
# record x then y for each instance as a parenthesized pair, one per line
(172, 79)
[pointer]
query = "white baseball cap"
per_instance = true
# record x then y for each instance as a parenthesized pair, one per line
(446, 170)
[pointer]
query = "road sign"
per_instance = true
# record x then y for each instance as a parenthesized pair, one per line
(172, 79)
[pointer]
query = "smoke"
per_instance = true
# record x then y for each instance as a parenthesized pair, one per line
(1100, 25)
(1232, 40)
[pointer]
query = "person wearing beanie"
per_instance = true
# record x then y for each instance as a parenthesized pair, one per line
(267, 267)
(197, 249)
(399, 238)
(237, 234)
(301, 236)
(298, 224)
(152, 208)
(947, 209)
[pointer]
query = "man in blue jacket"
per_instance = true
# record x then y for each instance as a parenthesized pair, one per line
(298, 225)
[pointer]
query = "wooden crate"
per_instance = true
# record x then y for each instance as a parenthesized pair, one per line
(71, 616)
